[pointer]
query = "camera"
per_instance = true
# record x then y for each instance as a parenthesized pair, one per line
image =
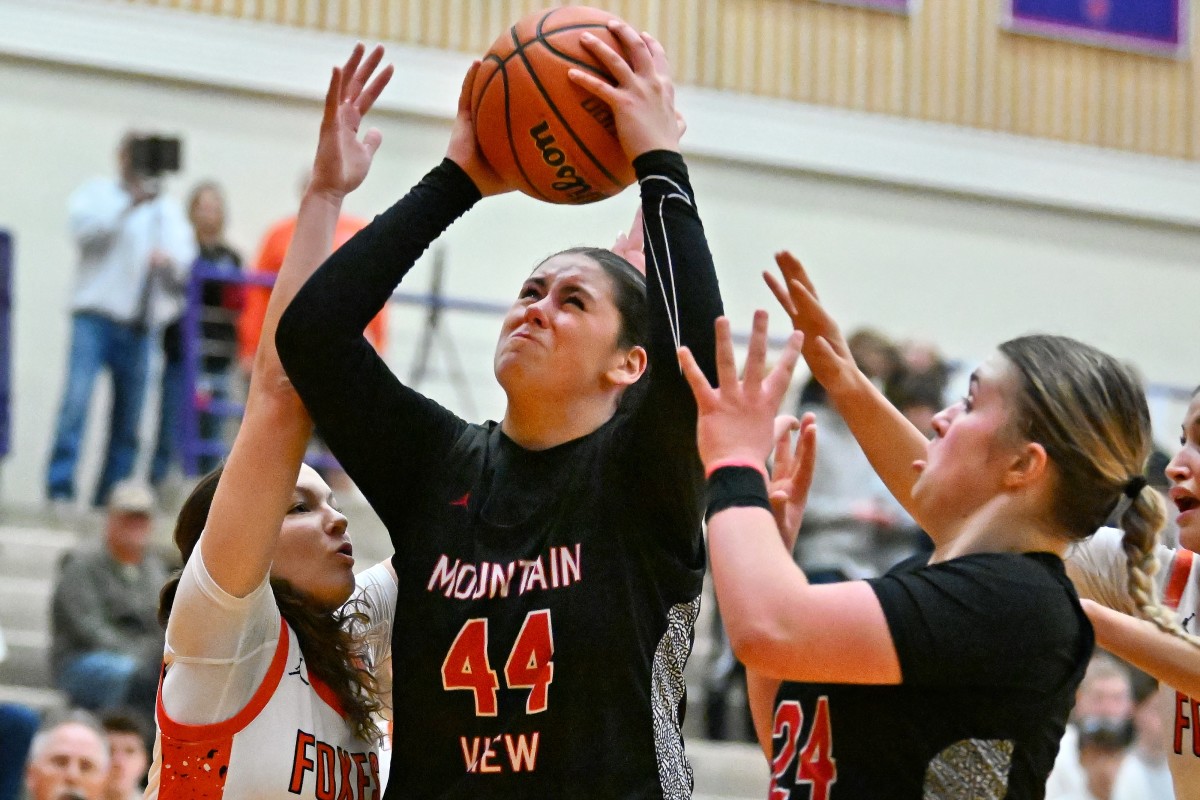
(152, 156)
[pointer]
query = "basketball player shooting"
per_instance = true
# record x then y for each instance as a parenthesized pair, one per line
(550, 564)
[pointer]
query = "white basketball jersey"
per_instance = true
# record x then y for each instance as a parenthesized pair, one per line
(290, 741)
(1182, 594)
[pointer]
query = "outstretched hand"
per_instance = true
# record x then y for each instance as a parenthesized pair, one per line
(791, 474)
(642, 96)
(464, 147)
(342, 160)
(631, 246)
(825, 349)
(736, 420)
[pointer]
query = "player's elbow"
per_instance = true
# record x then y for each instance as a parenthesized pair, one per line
(756, 640)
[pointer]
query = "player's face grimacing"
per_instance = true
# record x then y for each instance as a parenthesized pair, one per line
(314, 553)
(973, 443)
(559, 339)
(1184, 474)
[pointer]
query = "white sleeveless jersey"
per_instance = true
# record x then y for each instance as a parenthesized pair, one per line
(1097, 566)
(290, 741)
(1182, 593)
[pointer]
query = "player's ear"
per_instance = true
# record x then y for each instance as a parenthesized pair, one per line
(628, 366)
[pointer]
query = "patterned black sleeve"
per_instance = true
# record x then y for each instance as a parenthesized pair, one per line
(684, 300)
(384, 434)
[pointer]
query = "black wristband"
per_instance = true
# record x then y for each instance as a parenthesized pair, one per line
(736, 487)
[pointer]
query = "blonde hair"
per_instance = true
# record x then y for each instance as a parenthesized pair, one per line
(1089, 412)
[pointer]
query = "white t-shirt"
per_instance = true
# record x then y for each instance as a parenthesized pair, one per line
(1097, 566)
(239, 715)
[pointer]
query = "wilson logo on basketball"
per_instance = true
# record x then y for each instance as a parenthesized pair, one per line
(570, 183)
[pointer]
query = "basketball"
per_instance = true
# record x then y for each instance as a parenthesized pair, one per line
(539, 131)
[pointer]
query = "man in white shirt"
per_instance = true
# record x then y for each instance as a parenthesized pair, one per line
(135, 248)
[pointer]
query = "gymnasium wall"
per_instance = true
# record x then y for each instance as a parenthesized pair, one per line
(921, 230)
(948, 62)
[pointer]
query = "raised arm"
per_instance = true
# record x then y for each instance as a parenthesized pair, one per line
(383, 433)
(775, 620)
(257, 485)
(1172, 660)
(890, 442)
(683, 296)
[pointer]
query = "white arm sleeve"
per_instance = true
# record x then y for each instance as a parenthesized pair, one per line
(1097, 566)
(375, 596)
(218, 647)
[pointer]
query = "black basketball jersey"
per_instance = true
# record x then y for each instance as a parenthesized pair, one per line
(991, 647)
(546, 598)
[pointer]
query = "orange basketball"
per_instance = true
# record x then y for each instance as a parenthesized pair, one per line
(537, 129)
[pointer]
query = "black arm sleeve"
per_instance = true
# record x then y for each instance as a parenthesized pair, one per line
(684, 300)
(383, 433)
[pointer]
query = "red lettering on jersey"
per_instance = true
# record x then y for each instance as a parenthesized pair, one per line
(788, 719)
(1187, 712)
(301, 762)
(529, 664)
(466, 667)
(374, 759)
(326, 771)
(363, 777)
(522, 756)
(346, 792)
(815, 765)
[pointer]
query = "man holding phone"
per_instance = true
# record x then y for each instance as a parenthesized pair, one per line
(135, 247)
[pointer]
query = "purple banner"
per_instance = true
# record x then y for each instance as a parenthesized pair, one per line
(894, 6)
(1157, 27)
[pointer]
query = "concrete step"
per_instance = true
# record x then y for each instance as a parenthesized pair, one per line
(727, 770)
(25, 602)
(28, 661)
(42, 700)
(32, 551)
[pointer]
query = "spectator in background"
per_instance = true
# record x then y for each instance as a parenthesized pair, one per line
(1104, 696)
(1103, 745)
(220, 302)
(270, 257)
(107, 643)
(18, 724)
(134, 249)
(129, 759)
(850, 513)
(1144, 773)
(68, 761)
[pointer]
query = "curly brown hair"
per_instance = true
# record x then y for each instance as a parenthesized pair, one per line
(329, 638)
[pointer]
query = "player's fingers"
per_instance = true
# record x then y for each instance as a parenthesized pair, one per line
(331, 99)
(784, 425)
(781, 294)
(658, 53)
(372, 140)
(726, 363)
(349, 68)
(605, 91)
(364, 71)
(695, 377)
(756, 353)
(777, 382)
(806, 454)
(369, 95)
(468, 84)
(635, 46)
(613, 61)
(794, 270)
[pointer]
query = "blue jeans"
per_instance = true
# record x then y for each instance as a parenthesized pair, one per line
(99, 680)
(170, 415)
(98, 342)
(18, 724)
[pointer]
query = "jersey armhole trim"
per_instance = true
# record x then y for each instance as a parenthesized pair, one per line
(1181, 568)
(227, 728)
